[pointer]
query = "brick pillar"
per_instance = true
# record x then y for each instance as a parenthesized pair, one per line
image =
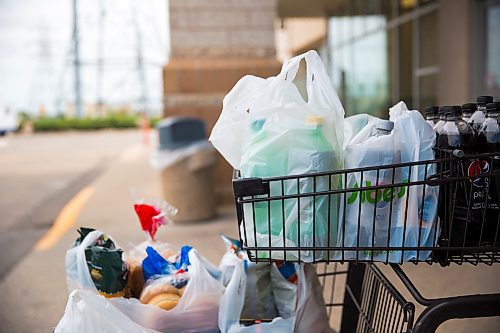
(213, 44)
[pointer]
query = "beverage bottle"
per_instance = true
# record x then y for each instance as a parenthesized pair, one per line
(458, 134)
(442, 119)
(263, 158)
(489, 131)
(468, 110)
(312, 153)
(380, 149)
(479, 115)
(487, 189)
(441, 137)
(432, 115)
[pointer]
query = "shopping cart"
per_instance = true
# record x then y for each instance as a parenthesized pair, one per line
(270, 212)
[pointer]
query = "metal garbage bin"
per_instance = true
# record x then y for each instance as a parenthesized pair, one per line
(186, 160)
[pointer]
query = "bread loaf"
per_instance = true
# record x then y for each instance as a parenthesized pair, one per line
(135, 282)
(165, 301)
(154, 289)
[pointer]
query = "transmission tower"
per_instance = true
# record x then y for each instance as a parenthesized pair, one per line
(100, 58)
(41, 92)
(107, 84)
(76, 62)
(141, 73)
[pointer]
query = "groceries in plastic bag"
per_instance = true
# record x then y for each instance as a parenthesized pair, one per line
(98, 256)
(134, 258)
(310, 313)
(398, 215)
(309, 310)
(88, 312)
(196, 308)
(284, 279)
(165, 291)
(156, 265)
(417, 143)
(285, 135)
(165, 281)
(259, 300)
(354, 124)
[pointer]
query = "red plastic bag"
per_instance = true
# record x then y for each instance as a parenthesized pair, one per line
(153, 213)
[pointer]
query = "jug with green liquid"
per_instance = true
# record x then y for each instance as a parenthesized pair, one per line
(263, 158)
(314, 220)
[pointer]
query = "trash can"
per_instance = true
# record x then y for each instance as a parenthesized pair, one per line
(186, 159)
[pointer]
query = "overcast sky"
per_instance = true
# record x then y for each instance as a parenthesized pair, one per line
(30, 28)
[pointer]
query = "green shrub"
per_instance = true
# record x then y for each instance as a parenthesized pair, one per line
(154, 121)
(44, 124)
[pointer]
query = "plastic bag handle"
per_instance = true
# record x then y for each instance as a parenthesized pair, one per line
(316, 78)
(290, 69)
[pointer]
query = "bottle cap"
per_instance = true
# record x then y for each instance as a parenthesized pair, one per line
(453, 110)
(384, 125)
(493, 107)
(483, 100)
(469, 107)
(314, 120)
(432, 111)
(257, 124)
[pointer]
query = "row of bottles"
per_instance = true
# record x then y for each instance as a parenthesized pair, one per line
(474, 129)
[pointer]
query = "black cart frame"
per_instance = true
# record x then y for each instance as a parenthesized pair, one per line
(464, 235)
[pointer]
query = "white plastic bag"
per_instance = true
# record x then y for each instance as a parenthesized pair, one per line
(232, 304)
(227, 134)
(197, 309)
(284, 292)
(410, 141)
(417, 142)
(77, 271)
(310, 312)
(259, 301)
(279, 133)
(354, 124)
(88, 312)
(367, 150)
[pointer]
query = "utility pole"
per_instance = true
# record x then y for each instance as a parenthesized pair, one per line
(141, 74)
(76, 63)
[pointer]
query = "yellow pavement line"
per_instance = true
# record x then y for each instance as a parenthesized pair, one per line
(65, 220)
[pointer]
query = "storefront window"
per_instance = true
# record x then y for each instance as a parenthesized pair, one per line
(492, 77)
(385, 53)
(359, 62)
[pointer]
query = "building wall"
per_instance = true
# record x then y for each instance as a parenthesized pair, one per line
(213, 45)
(454, 52)
(235, 28)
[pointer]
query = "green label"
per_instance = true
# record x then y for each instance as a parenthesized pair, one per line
(377, 195)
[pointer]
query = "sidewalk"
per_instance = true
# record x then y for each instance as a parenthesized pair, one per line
(34, 295)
